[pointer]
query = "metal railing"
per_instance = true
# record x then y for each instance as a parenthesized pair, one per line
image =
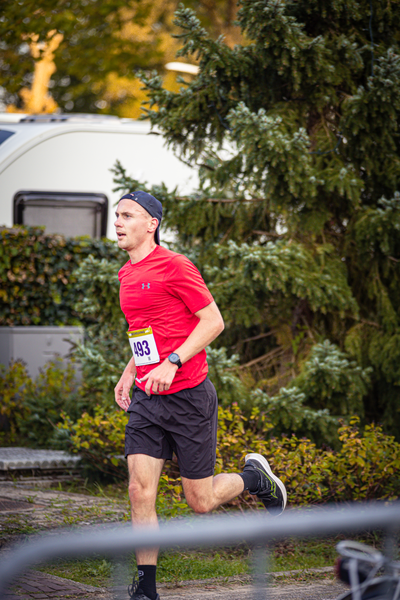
(211, 531)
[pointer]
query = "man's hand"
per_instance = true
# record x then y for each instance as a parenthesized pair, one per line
(122, 390)
(160, 379)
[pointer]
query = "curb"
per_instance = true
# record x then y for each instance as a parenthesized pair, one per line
(244, 578)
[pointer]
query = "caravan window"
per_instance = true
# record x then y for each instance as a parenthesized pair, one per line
(69, 214)
(5, 134)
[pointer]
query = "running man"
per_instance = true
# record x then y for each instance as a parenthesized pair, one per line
(172, 317)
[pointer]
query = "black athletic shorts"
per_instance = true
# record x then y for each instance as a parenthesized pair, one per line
(184, 423)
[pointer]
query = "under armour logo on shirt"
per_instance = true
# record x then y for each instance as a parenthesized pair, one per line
(144, 285)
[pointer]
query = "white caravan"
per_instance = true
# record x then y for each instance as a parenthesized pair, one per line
(55, 169)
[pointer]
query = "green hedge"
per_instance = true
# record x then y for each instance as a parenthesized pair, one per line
(35, 271)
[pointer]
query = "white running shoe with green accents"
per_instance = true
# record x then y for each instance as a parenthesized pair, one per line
(271, 491)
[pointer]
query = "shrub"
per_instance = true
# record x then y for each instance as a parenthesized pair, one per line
(366, 467)
(13, 383)
(31, 408)
(98, 438)
(55, 389)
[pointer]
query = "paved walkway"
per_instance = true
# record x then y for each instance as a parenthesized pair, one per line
(41, 509)
(44, 586)
(24, 510)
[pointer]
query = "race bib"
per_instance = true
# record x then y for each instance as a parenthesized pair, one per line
(144, 347)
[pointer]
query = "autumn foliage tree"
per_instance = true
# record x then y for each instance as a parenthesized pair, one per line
(84, 56)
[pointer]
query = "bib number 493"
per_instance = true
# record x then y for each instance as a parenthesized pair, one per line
(144, 347)
(141, 348)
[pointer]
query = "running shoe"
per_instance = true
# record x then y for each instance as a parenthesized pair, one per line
(270, 490)
(135, 593)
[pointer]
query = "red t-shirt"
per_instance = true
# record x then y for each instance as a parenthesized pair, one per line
(163, 291)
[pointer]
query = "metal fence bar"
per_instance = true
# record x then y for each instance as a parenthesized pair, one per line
(259, 566)
(212, 531)
(390, 546)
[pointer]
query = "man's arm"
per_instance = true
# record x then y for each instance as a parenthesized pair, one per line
(124, 385)
(208, 328)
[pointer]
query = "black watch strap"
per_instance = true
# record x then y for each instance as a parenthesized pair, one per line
(175, 359)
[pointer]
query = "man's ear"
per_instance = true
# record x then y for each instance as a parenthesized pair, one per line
(154, 225)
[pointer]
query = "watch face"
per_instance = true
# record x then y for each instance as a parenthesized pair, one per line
(175, 359)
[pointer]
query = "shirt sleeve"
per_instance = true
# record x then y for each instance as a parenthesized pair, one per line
(185, 282)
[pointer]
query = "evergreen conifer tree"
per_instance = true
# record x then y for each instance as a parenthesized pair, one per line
(296, 222)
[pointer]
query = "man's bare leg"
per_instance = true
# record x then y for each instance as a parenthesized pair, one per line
(144, 475)
(204, 495)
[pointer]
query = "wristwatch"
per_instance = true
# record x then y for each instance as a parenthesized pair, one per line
(175, 360)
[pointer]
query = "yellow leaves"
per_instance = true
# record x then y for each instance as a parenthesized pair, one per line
(14, 381)
(129, 90)
(102, 431)
(169, 498)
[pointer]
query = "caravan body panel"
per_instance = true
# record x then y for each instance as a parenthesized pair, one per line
(77, 158)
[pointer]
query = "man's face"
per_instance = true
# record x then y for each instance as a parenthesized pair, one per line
(132, 224)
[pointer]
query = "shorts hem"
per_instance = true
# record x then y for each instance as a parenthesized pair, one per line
(197, 475)
(146, 452)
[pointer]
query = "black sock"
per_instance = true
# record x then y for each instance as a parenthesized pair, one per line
(147, 580)
(251, 478)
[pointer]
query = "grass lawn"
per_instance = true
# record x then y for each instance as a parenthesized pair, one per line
(175, 566)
